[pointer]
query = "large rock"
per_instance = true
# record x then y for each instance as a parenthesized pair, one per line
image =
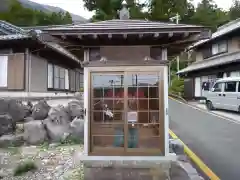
(57, 124)
(40, 110)
(16, 109)
(34, 132)
(11, 140)
(79, 96)
(3, 106)
(7, 125)
(176, 146)
(77, 128)
(76, 109)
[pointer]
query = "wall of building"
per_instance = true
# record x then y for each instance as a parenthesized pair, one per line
(38, 72)
(232, 43)
(199, 56)
(125, 52)
(12, 71)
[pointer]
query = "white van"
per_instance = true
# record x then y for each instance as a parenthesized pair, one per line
(225, 94)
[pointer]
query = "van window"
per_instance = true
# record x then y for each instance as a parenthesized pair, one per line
(230, 86)
(238, 86)
(217, 87)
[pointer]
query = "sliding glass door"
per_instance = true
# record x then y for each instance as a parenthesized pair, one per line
(125, 112)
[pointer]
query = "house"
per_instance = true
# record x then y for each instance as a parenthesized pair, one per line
(33, 63)
(216, 57)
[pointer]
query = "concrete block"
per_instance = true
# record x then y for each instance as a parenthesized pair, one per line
(126, 170)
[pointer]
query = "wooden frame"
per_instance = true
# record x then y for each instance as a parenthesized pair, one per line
(96, 151)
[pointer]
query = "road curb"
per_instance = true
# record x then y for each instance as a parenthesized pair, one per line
(203, 167)
(177, 97)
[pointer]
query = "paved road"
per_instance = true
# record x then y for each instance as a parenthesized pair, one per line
(215, 141)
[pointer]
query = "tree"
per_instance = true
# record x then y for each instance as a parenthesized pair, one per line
(209, 14)
(108, 9)
(21, 16)
(234, 11)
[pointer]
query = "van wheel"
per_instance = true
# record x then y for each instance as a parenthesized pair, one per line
(209, 105)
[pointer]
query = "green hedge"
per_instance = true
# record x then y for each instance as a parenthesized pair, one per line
(177, 86)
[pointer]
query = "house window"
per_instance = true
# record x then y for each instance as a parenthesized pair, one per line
(81, 80)
(219, 48)
(66, 79)
(61, 78)
(3, 71)
(94, 54)
(58, 77)
(50, 76)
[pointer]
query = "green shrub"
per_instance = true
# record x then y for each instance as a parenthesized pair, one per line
(177, 86)
(81, 90)
(24, 167)
(72, 140)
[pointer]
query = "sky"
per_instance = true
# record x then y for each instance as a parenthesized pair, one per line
(76, 6)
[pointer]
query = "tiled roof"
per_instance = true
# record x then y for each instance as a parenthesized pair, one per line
(211, 62)
(8, 28)
(123, 24)
(45, 27)
(14, 36)
(12, 32)
(60, 49)
(223, 30)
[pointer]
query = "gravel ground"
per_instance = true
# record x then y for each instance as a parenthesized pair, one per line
(53, 162)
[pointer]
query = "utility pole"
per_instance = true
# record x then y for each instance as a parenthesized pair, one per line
(177, 18)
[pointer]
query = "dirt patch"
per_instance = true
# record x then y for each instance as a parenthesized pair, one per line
(53, 162)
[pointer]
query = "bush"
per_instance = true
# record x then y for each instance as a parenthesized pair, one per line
(81, 90)
(24, 167)
(177, 86)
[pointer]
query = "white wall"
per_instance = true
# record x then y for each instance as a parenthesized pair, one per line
(197, 85)
(3, 71)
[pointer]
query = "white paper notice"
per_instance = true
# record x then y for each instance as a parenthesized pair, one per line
(132, 116)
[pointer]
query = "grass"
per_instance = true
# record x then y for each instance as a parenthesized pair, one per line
(14, 150)
(71, 140)
(25, 167)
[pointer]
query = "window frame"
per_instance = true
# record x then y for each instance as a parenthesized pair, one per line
(58, 74)
(218, 46)
(221, 86)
